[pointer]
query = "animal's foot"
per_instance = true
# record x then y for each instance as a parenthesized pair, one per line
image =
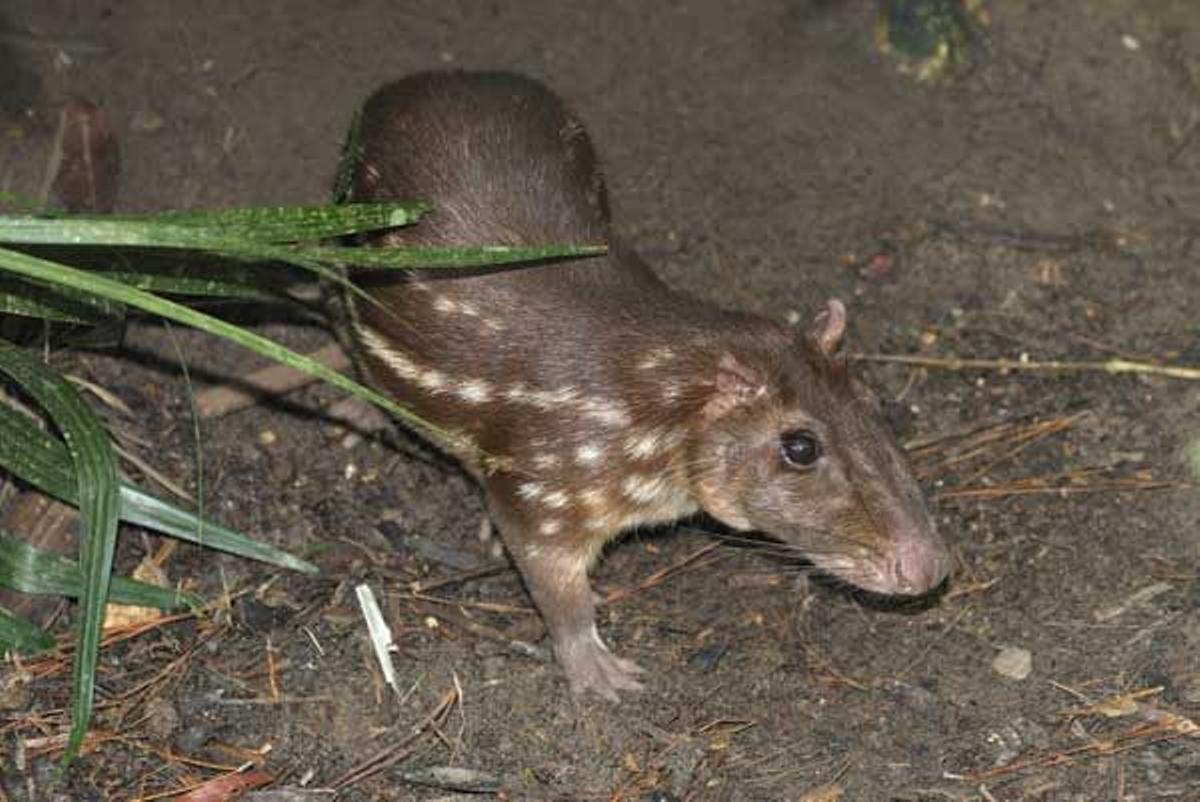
(590, 666)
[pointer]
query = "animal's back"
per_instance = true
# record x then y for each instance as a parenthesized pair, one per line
(498, 156)
(502, 162)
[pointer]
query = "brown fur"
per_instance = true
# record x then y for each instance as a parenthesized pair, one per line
(615, 401)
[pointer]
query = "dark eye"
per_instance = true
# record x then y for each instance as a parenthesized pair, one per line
(800, 449)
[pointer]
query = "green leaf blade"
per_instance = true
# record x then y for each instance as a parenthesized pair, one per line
(95, 469)
(27, 569)
(17, 634)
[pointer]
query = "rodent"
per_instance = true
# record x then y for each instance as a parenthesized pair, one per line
(612, 400)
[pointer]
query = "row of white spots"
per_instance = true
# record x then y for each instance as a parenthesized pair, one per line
(645, 499)
(602, 410)
(521, 393)
(434, 382)
(478, 391)
(536, 491)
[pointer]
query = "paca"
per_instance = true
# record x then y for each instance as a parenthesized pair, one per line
(610, 400)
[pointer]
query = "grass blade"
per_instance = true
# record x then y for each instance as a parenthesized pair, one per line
(209, 230)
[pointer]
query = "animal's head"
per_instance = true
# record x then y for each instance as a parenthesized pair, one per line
(794, 446)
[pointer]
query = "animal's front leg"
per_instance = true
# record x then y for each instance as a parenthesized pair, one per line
(554, 568)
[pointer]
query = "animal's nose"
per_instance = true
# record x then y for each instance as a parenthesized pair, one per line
(921, 563)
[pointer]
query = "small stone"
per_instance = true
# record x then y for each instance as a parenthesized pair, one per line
(191, 738)
(1013, 662)
(162, 720)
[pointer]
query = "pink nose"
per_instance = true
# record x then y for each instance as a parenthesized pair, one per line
(920, 564)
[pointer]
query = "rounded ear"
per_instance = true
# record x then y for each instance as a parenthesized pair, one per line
(828, 327)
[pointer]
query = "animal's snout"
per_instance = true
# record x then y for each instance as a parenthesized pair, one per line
(919, 564)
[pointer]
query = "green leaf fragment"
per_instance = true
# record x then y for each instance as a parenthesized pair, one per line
(27, 569)
(22, 636)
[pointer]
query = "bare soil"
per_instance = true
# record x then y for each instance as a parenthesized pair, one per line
(1044, 206)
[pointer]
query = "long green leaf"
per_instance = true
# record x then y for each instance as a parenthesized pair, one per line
(31, 570)
(141, 508)
(209, 230)
(21, 635)
(224, 280)
(42, 460)
(95, 466)
(411, 257)
(296, 224)
(19, 297)
(42, 270)
(267, 234)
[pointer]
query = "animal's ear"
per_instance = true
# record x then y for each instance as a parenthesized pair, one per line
(735, 385)
(828, 327)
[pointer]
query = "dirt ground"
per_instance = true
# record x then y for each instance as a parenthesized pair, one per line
(1045, 206)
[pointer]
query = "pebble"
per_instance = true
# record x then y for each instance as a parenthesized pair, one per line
(1013, 662)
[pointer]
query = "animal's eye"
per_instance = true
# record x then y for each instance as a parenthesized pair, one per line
(800, 448)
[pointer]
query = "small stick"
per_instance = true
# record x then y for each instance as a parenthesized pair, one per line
(274, 380)
(659, 576)
(1113, 366)
(393, 754)
(1066, 490)
(1035, 434)
(521, 647)
(422, 586)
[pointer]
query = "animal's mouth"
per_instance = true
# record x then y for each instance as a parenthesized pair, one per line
(912, 567)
